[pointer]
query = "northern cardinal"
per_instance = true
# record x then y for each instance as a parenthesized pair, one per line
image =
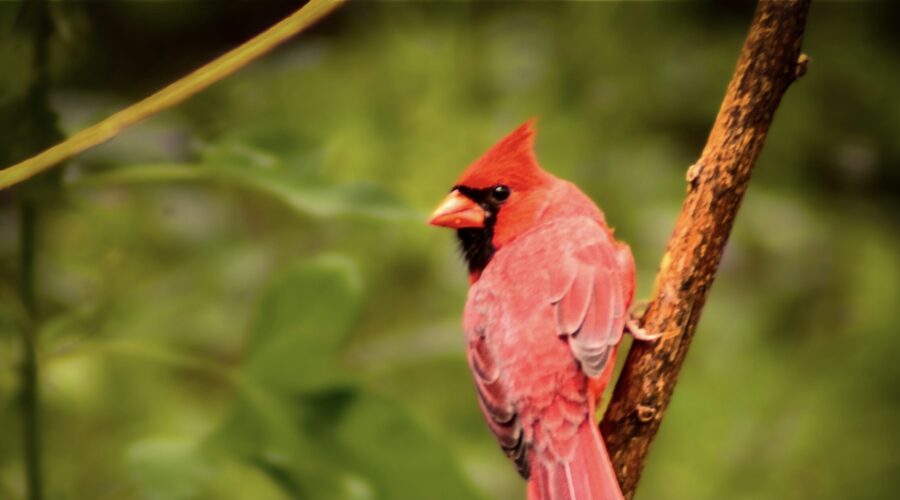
(548, 304)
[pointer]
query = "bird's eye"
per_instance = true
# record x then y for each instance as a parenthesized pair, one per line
(500, 193)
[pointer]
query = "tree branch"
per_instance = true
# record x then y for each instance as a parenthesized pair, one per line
(172, 94)
(770, 61)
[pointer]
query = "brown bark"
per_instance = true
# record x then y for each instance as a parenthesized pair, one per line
(770, 61)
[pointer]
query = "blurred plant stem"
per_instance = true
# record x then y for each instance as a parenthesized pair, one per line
(40, 130)
(31, 436)
(171, 95)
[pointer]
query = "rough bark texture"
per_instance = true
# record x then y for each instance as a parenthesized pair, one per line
(769, 62)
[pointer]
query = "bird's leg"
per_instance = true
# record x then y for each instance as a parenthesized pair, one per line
(632, 324)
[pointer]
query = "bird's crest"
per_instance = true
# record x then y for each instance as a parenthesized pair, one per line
(511, 162)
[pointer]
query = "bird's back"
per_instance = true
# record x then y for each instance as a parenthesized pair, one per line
(511, 324)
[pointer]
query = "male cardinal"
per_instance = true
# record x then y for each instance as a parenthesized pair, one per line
(548, 303)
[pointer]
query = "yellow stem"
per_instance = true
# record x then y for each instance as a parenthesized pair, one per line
(170, 95)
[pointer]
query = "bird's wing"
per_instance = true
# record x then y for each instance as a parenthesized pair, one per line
(589, 299)
(485, 313)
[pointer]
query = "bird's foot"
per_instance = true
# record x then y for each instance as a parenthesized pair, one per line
(632, 327)
(632, 324)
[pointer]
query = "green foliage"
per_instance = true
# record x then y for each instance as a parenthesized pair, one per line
(167, 469)
(302, 421)
(308, 312)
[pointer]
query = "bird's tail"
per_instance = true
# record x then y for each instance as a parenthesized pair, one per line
(588, 476)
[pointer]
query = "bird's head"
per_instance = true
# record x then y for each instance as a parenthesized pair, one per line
(496, 199)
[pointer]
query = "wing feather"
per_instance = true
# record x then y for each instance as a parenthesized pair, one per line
(591, 311)
(493, 396)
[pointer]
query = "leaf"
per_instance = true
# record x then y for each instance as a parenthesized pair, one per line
(344, 442)
(400, 458)
(301, 324)
(301, 193)
(302, 420)
(265, 430)
(321, 199)
(276, 164)
(287, 168)
(262, 145)
(168, 469)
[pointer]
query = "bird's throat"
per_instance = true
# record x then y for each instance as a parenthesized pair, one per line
(477, 246)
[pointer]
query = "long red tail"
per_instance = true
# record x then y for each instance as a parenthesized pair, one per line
(588, 476)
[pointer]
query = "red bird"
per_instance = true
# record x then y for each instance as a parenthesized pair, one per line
(549, 301)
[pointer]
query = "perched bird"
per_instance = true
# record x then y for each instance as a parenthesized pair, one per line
(549, 300)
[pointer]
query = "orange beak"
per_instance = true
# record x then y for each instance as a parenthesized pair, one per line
(457, 212)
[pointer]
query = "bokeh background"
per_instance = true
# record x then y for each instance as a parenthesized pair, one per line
(239, 298)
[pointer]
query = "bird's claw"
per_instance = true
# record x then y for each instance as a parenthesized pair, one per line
(632, 327)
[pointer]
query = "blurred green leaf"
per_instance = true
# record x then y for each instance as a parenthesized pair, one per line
(303, 194)
(344, 442)
(396, 454)
(318, 198)
(168, 469)
(302, 421)
(301, 324)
